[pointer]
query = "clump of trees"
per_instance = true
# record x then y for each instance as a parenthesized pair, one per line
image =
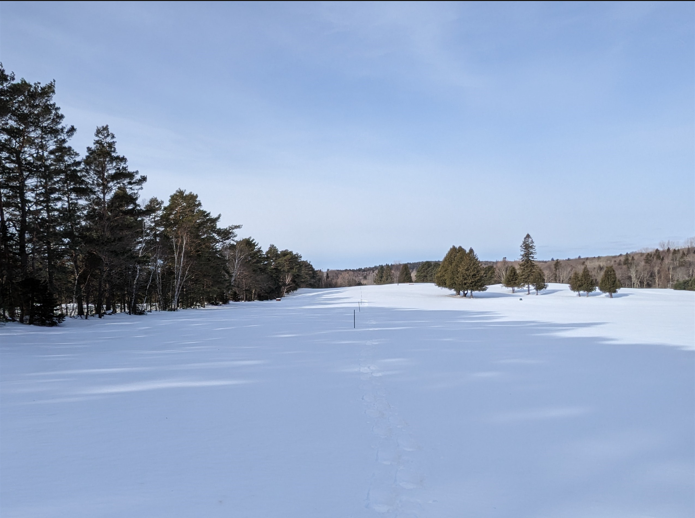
(404, 275)
(529, 274)
(461, 271)
(384, 274)
(426, 272)
(686, 284)
(76, 239)
(582, 282)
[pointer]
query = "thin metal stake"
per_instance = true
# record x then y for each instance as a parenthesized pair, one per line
(354, 319)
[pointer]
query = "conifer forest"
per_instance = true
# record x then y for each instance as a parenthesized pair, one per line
(77, 239)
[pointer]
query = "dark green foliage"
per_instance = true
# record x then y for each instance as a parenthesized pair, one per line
(469, 275)
(527, 268)
(511, 280)
(490, 275)
(609, 282)
(576, 283)
(440, 278)
(538, 281)
(74, 232)
(426, 272)
(404, 276)
(587, 282)
(384, 275)
(687, 284)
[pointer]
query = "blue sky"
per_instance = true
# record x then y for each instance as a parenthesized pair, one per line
(359, 134)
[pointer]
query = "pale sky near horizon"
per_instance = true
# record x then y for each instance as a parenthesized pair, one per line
(359, 134)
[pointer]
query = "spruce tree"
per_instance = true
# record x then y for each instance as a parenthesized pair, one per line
(404, 276)
(470, 276)
(511, 280)
(587, 282)
(576, 283)
(527, 267)
(490, 275)
(539, 281)
(384, 275)
(609, 282)
(424, 272)
(379, 277)
(440, 278)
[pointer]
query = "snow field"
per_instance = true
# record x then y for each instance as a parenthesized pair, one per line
(434, 406)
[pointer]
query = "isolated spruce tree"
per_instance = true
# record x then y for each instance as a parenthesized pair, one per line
(587, 282)
(511, 280)
(404, 276)
(527, 267)
(576, 283)
(539, 281)
(609, 282)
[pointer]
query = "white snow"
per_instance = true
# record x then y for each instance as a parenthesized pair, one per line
(434, 406)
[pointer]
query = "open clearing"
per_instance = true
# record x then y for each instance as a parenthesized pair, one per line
(434, 406)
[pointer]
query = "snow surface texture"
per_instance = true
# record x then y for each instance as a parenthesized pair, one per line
(434, 406)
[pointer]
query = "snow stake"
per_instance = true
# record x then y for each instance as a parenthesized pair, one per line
(354, 319)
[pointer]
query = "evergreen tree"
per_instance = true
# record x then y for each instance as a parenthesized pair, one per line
(576, 283)
(384, 275)
(388, 274)
(587, 282)
(539, 281)
(511, 280)
(113, 212)
(490, 275)
(527, 267)
(440, 278)
(404, 276)
(379, 277)
(470, 276)
(32, 136)
(452, 277)
(424, 272)
(609, 282)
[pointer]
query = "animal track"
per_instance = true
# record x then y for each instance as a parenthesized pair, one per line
(397, 476)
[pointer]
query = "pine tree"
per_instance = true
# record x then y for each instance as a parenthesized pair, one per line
(609, 282)
(587, 282)
(527, 267)
(511, 280)
(404, 276)
(113, 213)
(539, 281)
(576, 283)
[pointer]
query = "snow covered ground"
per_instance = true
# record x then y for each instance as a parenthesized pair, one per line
(434, 406)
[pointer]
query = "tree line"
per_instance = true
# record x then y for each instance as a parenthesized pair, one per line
(461, 271)
(76, 239)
